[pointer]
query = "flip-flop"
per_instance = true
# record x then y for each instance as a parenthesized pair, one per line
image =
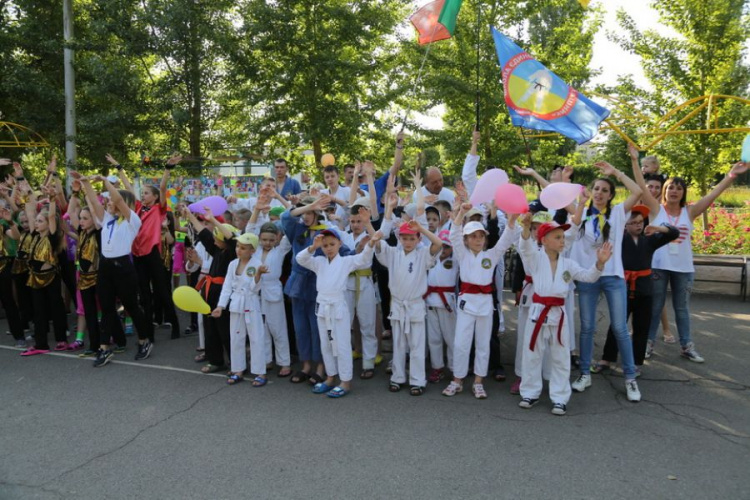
(234, 379)
(599, 368)
(394, 387)
(322, 388)
(281, 374)
(259, 381)
(367, 374)
(669, 339)
(337, 392)
(200, 358)
(211, 369)
(299, 377)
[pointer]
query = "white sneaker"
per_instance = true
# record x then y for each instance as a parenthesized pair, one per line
(690, 353)
(581, 383)
(634, 395)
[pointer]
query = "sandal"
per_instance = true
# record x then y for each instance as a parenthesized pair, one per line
(75, 346)
(394, 387)
(209, 368)
(259, 381)
(416, 390)
(321, 388)
(299, 377)
(337, 392)
(669, 339)
(453, 389)
(234, 379)
(479, 392)
(367, 374)
(200, 358)
(499, 374)
(284, 374)
(316, 379)
(599, 367)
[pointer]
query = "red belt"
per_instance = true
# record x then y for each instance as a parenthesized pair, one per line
(207, 281)
(441, 291)
(548, 303)
(632, 276)
(472, 288)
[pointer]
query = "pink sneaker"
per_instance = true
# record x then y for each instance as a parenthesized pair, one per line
(33, 351)
(436, 375)
(61, 346)
(516, 387)
(75, 346)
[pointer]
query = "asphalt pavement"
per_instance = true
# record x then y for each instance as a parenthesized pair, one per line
(160, 429)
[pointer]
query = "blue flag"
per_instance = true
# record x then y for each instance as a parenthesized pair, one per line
(539, 99)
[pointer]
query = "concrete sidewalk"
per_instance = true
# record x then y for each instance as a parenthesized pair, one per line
(159, 429)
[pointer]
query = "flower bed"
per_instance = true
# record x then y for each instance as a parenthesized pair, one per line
(727, 232)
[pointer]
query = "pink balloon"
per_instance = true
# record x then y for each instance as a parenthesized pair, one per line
(485, 189)
(511, 199)
(559, 195)
(216, 204)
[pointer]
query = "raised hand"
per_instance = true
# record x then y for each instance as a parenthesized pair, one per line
(606, 168)
(317, 241)
(524, 171)
(111, 160)
(4, 161)
(17, 170)
(174, 160)
(739, 168)
(52, 165)
(633, 151)
(415, 226)
(604, 253)
(416, 179)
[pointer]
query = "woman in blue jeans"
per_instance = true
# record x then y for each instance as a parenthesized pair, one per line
(673, 263)
(605, 223)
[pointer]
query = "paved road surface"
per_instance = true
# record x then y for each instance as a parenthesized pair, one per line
(158, 429)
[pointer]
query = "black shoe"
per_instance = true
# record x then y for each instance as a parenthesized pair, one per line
(144, 350)
(175, 333)
(527, 403)
(102, 357)
(575, 362)
(559, 409)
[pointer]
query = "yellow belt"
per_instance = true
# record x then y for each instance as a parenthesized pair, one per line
(358, 274)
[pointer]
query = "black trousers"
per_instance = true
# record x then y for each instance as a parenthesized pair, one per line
(160, 308)
(385, 296)
(216, 331)
(192, 280)
(88, 297)
(68, 275)
(640, 308)
(9, 303)
(117, 279)
(23, 294)
(48, 305)
(150, 272)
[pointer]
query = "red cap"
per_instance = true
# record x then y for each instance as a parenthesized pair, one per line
(219, 218)
(641, 209)
(405, 229)
(548, 227)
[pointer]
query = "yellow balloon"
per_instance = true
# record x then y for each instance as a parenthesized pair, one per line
(327, 159)
(189, 299)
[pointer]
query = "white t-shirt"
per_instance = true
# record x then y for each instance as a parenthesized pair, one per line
(118, 234)
(585, 247)
(676, 256)
(445, 194)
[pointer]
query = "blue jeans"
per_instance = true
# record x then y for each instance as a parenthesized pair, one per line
(306, 330)
(682, 287)
(616, 293)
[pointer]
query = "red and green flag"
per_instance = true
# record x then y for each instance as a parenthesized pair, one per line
(436, 20)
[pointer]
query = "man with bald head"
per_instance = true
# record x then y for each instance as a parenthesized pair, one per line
(433, 188)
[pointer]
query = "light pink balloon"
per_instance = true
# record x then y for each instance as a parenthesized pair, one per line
(217, 204)
(511, 199)
(485, 189)
(559, 195)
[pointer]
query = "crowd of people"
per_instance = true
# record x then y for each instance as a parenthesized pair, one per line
(326, 274)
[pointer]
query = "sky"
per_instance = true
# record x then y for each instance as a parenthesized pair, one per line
(607, 56)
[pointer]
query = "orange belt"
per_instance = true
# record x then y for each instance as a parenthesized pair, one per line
(631, 277)
(207, 281)
(441, 291)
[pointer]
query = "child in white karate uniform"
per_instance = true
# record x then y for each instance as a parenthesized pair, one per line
(334, 323)
(545, 328)
(407, 280)
(474, 316)
(440, 298)
(240, 293)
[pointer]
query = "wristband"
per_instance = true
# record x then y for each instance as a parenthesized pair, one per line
(118, 166)
(54, 174)
(22, 178)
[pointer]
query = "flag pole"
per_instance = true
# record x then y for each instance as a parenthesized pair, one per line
(418, 79)
(528, 151)
(479, 18)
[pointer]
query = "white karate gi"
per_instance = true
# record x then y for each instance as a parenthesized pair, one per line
(203, 268)
(536, 263)
(334, 322)
(363, 303)
(240, 293)
(272, 303)
(441, 321)
(407, 280)
(474, 315)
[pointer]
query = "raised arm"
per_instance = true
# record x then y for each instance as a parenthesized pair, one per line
(418, 194)
(74, 206)
(701, 205)
(469, 170)
(635, 189)
(116, 198)
(399, 156)
(648, 200)
(530, 172)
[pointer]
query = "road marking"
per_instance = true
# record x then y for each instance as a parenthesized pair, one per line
(114, 361)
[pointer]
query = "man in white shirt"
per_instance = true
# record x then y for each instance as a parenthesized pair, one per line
(433, 189)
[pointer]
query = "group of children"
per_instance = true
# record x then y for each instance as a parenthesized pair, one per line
(292, 271)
